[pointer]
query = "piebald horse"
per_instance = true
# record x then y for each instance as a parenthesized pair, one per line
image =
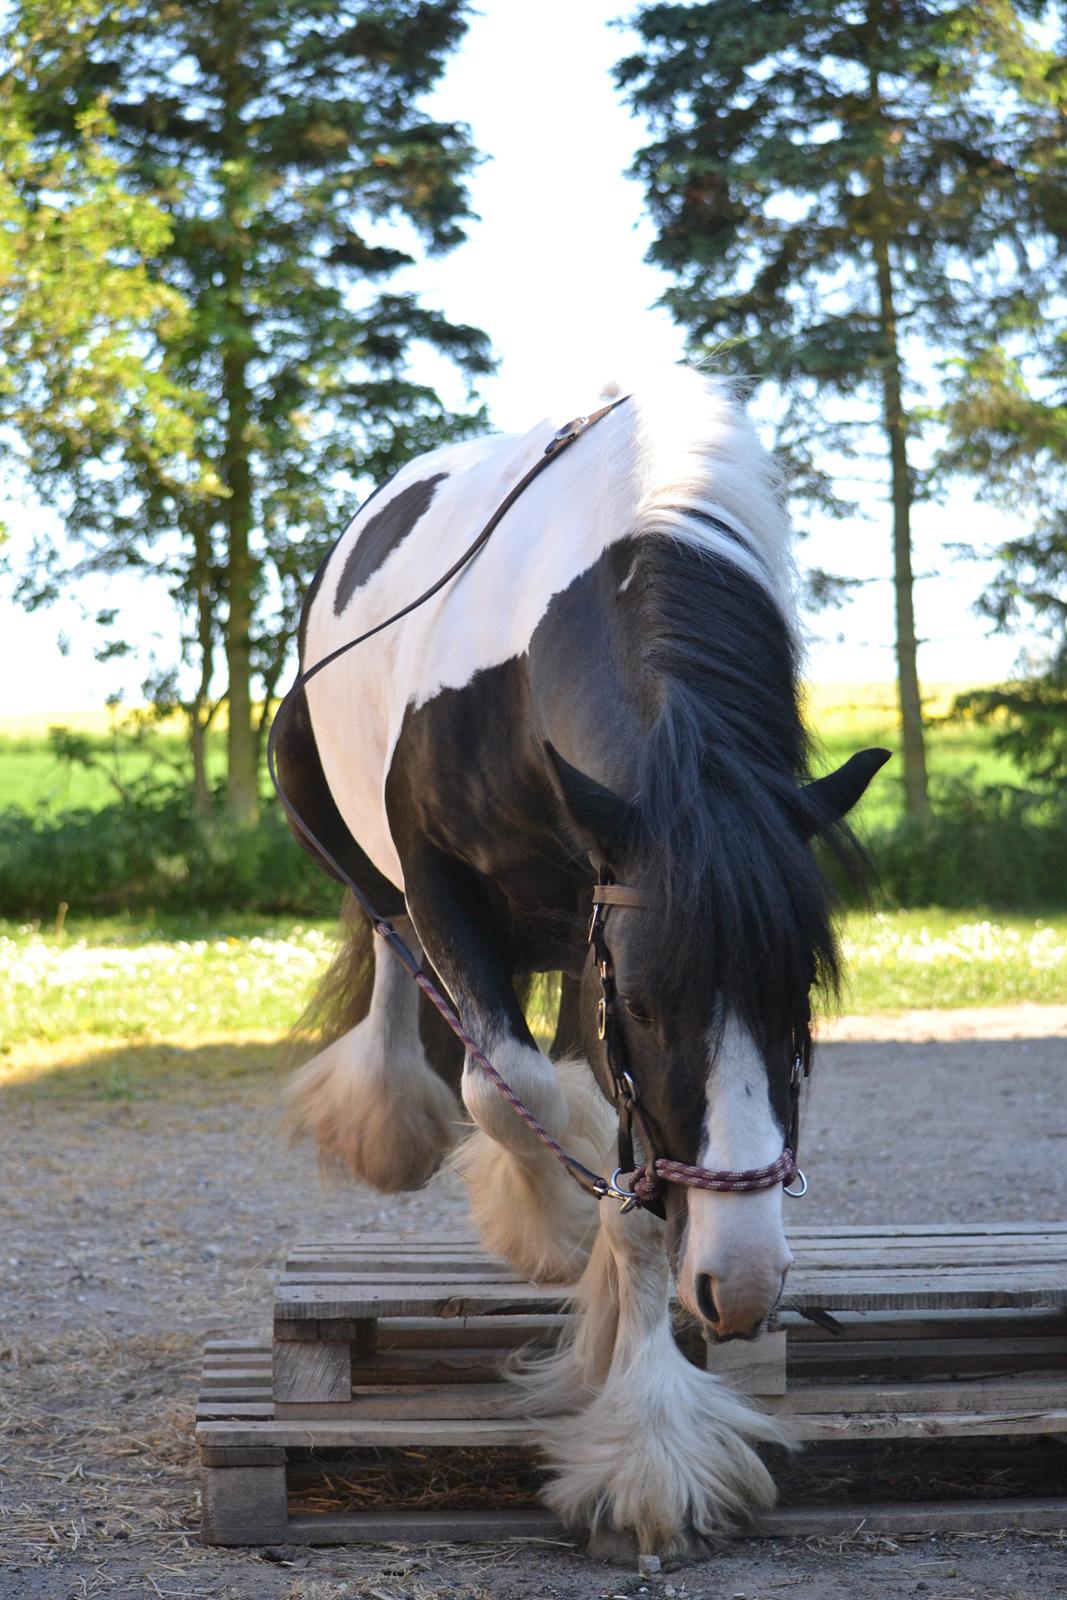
(608, 691)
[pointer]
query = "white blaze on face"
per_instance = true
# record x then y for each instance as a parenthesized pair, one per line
(736, 1241)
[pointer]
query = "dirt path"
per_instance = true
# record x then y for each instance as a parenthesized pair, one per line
(133, 1228)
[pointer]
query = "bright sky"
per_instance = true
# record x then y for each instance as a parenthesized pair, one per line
(554, 272)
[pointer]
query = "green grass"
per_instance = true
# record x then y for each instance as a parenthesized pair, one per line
(914, 960)
(203, 981)
(33, 779)
(843, 717)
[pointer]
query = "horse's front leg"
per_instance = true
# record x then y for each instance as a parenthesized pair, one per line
(526, 1207)
(662, 1448)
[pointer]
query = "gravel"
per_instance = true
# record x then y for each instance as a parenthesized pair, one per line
(134, 1229)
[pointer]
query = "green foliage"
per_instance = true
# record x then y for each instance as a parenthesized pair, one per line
(999, 847)
(835, 195)
(794, 145)
(84, 319)
(1028, 723)
(276, 171)
(152, 851)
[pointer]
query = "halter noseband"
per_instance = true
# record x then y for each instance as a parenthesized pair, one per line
(645, 1184)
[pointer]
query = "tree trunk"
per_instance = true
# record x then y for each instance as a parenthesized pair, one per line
(242, 771)
(896, 426)
(205, 637)
(910, 699)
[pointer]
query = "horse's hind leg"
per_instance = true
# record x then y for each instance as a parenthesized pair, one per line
(525, 1206)
(371, 1099)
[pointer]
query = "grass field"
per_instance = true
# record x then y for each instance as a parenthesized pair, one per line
(844, 717)
(191, 981)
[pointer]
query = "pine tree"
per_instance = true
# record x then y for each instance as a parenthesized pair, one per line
(285, 144)
(831, 201)
(1007, 419)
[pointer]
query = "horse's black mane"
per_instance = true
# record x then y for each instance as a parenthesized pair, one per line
(718, 789)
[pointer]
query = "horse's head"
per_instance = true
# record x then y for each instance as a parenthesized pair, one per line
(711, 1005)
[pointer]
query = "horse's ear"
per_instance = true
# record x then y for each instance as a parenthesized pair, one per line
(603, 815)
(832, 797)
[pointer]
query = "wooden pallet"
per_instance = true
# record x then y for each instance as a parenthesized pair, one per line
(396, 1344)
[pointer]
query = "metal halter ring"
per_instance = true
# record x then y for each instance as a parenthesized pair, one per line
(616, 1193)
(797, 1194)
(610, 1189)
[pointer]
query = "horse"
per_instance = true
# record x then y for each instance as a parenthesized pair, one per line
(608, 693)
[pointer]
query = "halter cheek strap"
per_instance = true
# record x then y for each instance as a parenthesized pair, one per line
(645, 1184)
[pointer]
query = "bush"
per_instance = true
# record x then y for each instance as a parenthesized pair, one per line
(1000, 847)
(152, 851)
(996, 847)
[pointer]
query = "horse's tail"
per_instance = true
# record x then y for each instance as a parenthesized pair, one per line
(342, 996)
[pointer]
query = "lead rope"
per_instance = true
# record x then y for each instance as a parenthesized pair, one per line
(669, 1171)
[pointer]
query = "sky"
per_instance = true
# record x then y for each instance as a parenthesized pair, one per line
(554, 271)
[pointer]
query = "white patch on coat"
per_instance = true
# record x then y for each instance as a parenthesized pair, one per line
(629, 578)
(526, 1207)
(679, 445)
(738, 1240)
(371, 1100)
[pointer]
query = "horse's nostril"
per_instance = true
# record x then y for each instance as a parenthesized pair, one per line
(706, 1298)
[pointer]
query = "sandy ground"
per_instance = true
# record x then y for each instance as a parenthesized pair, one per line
(133, 1229)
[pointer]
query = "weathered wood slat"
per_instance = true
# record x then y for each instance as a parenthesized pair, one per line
(995, 1395)
(954, 1324)
(921, 1516)
(803, 1522)
(456, 1299)
(435, 1433)
(945, 1333)
(428, 1527)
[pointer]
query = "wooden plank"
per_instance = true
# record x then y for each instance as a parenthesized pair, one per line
(435, 1433)
(997, 1394)
(957, 1324)
(423, 1269)
(251, 1456)
(851, 1426)
(211, 1409)
(410, 1277)
(755, 1367)
(429, 1365)
(243, 1505)
(428, 1333)
(958, 1516)
(460, 1401)
(429, 1527)
(792, 1522)
(312, 1369)
(1018, 1355)
(1015, 1263)
(400, 1300)
(927, 1231)
(920, 1291)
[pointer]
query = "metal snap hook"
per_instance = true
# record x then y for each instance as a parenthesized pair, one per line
(797, 1194)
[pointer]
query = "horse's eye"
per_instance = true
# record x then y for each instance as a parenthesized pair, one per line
(637, 1010)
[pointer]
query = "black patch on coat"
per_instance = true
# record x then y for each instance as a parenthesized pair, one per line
(305, 787)
(381, 536)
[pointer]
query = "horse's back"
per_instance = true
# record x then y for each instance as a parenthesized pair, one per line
(404, 537)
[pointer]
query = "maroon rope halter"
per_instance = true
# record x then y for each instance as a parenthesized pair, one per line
(645, 1189)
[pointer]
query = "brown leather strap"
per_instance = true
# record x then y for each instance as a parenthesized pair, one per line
(618, 894)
